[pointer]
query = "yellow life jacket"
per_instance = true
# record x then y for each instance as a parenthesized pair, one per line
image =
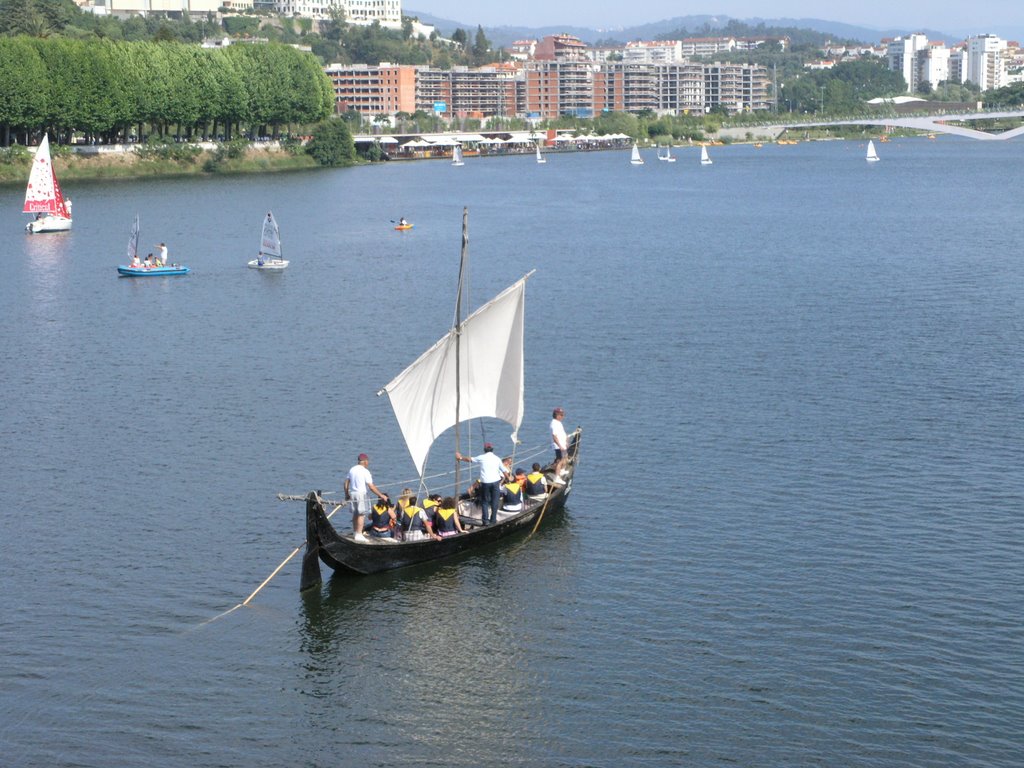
(445, 514)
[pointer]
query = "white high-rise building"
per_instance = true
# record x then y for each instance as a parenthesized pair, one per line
(986, 61)
(902, 53)
(386, 12)
(933, 64)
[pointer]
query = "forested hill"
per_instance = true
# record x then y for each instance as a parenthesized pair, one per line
(332, 40)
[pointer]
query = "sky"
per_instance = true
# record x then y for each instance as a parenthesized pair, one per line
(975, 17)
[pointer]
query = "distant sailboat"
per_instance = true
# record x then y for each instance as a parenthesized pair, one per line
(43, 196)
(872, 155)
(270, 247)
(705, 159)
(540, 158)
(635, 158)
(667, 157)
(457, 155)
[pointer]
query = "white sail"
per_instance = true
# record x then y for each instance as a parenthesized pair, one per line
(457, 155)
(540, 157)
(43, 195)
(270, 241)
(705, 159)
(490, 381)
(635, 158)
(872, 154)
(133, 240)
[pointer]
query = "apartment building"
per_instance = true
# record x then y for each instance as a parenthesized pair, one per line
(902, 56)
(986, 61)
(388, 13)
(653, 52)
(552, 88)
(737, 87)
(982, 61)
(142, 7)
(373, 90)
(468, 92)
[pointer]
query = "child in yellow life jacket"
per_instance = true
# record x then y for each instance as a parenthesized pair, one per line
(382, 519)
(512, 497)
(446, 518)
(414, 522)
(535, 485)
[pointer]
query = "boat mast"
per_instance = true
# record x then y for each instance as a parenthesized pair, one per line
(458, 338)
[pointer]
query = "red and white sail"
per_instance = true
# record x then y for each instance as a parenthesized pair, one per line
(43, 194)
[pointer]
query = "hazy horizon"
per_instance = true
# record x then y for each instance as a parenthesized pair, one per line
(984, 16)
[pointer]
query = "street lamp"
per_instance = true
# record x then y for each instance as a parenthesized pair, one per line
(822, 99)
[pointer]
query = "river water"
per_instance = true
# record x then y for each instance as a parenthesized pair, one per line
(795, 535)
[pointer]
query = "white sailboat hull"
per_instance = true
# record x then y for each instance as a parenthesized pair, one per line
(48, 224)
(269, 264)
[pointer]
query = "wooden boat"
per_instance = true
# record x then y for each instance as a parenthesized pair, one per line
(43, 195)
(444, 386)
(134, 269)
(269, 256)
(345, 555)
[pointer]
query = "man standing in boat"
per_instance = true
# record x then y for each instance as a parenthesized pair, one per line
(491, 472)
(358, 484)
(162, 258)
(560, 444)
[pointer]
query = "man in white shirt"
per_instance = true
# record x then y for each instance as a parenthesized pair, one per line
(162, 249)
(491, 472)
(358, 484)
(560, 444)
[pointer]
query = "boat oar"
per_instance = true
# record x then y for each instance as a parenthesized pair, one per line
(267, 580)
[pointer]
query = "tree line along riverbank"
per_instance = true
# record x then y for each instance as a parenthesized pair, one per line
(108, 92)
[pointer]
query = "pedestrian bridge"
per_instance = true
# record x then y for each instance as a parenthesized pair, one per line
(933, 124)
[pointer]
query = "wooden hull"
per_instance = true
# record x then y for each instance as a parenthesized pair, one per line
(343, 554)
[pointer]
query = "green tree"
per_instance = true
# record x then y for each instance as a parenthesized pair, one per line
(22, 87)
(332, 144)
(481, 53)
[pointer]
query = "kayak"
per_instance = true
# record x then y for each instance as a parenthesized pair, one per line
(152, 271)
(403, 226)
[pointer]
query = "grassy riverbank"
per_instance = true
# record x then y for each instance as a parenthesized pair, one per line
(14, 165)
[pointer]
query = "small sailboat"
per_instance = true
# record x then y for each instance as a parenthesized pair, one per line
(872, 155)
(269, 256)
(136, 268)
(667, 157)
(540, 158)
(705, 159)
(457, 155)
(43, 196)
(635, 158)
(474, 371)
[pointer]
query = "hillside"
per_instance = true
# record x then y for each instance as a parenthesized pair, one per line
(694, 25)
